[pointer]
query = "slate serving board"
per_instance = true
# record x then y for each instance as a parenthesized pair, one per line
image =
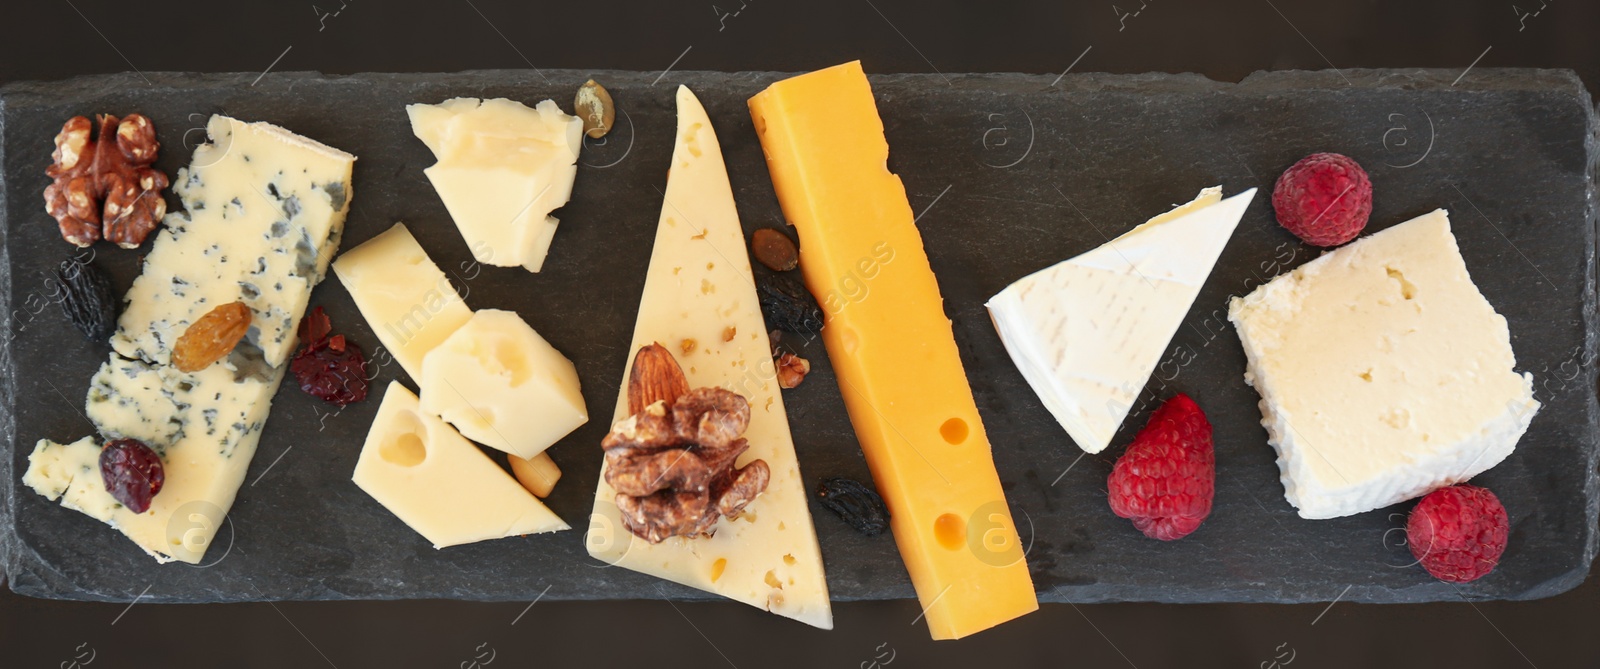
(1009, 173)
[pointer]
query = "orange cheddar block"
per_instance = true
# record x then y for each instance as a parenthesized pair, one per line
(893, 349)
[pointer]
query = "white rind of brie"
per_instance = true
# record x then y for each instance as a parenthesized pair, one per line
(1087, 332)
(1384, 373)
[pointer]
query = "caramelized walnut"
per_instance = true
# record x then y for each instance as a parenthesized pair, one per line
(672, 462)
(114, 169)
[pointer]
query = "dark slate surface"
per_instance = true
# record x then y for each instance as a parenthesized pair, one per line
(1012, 173)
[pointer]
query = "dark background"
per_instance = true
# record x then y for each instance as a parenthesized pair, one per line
(1225, 40)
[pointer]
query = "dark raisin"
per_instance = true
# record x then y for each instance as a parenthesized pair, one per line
(856, 503)
(329, 367)
(132, 473)
(788, 305)
(87, 300)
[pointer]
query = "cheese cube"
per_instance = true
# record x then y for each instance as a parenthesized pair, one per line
(439, 483)
(1383, 372)
(502, 168)
(502, 385)
(409, 303)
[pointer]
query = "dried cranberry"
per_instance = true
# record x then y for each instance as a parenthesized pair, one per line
(132, 472)
(329, 367)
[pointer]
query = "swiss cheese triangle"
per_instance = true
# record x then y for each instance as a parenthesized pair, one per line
(700, 297)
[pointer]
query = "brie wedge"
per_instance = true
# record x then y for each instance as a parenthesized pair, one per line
(1383, 372)
(1087, 332)
(699, 289)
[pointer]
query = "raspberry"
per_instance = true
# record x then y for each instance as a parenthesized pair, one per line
(1324, 199)
(1458, 533)
(1165, 480)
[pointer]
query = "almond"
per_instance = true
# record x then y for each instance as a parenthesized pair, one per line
(655, 377)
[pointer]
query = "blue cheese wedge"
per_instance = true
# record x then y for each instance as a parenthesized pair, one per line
(699, 289)
(1383, 371)
(265, 212)
(1087, 332)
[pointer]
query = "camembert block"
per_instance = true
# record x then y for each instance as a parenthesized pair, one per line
(264, 214)
(409, 303)
(894, 353)
(502, 385)
(428, 475)
(1383, 372)
(699, 289)
(502, 168)
(1087, 332)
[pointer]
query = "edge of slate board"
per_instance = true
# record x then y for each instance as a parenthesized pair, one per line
(39, 579)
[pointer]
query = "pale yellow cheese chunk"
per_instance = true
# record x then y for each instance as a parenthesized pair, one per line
(502, 168)
(410, 304)
(502, 385)
(439, 483)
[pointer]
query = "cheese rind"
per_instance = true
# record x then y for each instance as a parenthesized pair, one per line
(502, 385)
(409, 303)
(893, 349)
(1087, 332)
(698, 287)
(265, 213)
(502, 168)
(440, 484)
(1384, 373)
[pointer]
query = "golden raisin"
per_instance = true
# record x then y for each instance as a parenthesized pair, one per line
(211, 337)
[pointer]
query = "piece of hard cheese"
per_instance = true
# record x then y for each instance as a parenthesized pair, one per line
(1383, 372)
(439, 483)
(502, 168)
(895, 354)
(265, 210)
(502, 385)
(699, 288)
(1087, 332)
(409, 303)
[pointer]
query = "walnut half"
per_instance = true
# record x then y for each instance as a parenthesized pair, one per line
(113, 169)
(672, 462)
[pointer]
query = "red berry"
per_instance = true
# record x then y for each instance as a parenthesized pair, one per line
(1458, 533)
(1165, 480)
(1324, 199)
(132, 473)
(329, 367)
